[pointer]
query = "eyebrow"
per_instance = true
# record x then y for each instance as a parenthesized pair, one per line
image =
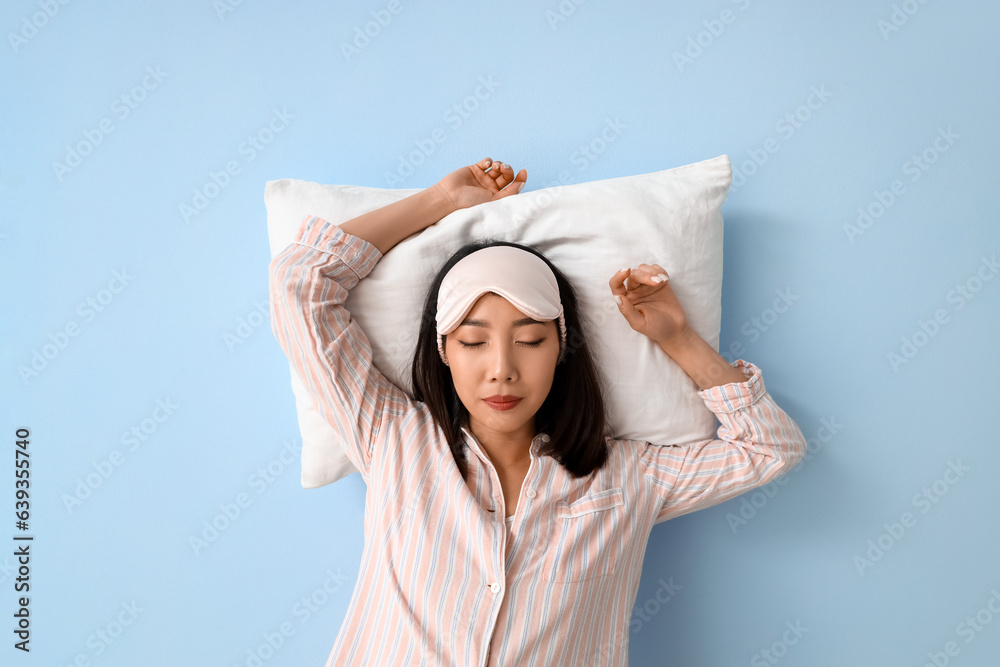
(524, 321)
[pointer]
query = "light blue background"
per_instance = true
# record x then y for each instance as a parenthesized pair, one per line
(559, 83)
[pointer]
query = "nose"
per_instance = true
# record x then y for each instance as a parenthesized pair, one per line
(503, 364)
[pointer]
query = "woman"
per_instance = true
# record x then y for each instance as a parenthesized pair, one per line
(502, 525)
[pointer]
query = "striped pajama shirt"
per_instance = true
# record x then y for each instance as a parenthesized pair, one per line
(442, 581)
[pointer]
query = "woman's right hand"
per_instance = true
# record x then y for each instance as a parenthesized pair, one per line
(479, 183)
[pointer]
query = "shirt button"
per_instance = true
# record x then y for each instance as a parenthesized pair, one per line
(495, 587)
(530, 493)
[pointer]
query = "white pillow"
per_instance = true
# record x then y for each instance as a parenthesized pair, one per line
(589, 231)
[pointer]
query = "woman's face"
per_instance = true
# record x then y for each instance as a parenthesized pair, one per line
(502, 361)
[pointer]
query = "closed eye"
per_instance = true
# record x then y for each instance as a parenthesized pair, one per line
(535, 344)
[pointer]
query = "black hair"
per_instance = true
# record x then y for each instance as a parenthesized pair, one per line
(573, 414)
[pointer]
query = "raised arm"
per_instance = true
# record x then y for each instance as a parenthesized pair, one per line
(757, 440)
(309, 283)
(467, 186)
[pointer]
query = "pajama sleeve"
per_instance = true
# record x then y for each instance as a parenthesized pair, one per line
(757, 442)
(309, 283)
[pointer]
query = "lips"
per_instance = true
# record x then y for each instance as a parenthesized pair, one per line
(502, 402)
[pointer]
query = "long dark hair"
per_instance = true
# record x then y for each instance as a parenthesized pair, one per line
(573, 414)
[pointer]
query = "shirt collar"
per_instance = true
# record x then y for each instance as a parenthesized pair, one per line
(473, 442)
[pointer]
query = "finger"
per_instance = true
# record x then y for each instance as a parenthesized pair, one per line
(617, 282)
(504, 174)
(514, 186)
(485, 175)
(519, 178)
(508, 173)
(650, 275)
(625, 307)
(656, 270)
(638, 277)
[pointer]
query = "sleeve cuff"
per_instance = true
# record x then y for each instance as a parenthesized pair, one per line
(735, 395)
(357, 253)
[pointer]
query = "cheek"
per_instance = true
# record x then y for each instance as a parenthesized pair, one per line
(463, 385)
(540, 382)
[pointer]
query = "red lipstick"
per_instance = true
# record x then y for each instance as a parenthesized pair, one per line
(502, 402)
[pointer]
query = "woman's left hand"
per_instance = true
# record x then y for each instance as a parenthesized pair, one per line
(650, 307)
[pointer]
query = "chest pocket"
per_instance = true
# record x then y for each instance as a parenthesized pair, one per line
(586, 541)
